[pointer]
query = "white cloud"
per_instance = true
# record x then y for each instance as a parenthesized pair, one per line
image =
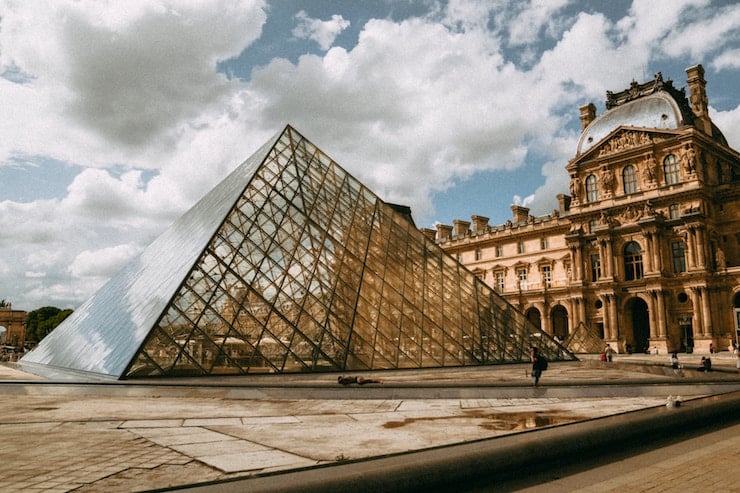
(729, 123)
(102, 263)
(130, 91)
(702, 35)
(727, 60)
(323, 32)
(528, 24)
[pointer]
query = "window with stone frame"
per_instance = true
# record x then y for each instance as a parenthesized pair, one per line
(499, 281)
(595, 267)
(520, 247)
(522, 273)
(478, 254)
(632, 261)
(678, 250)
(671, 170)
(546, 272)
(499, 251)
(629, 179)
(592, 189)
(674, 211)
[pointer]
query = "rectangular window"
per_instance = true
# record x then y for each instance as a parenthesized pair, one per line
(522, 279)
(673, 211)
(595, 267)
(679, 256)
(543, 244)
(478, 254)
(547, 275)
(499, 251)
(500, 282)
(520, 247)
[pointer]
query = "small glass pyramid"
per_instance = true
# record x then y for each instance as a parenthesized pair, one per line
(290, 265)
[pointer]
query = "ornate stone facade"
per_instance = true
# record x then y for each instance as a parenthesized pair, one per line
(14, 322)
(645, 251)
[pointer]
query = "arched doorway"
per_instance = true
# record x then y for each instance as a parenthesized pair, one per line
(637, 315)
(736, 304)
(533, 315)
(559, 317)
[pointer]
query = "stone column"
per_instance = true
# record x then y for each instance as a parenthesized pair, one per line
(706, 315)
(700, 251)
(609, 260)
(546, 320)
(690, 250)
(605, 316)
(578, 261)
(661, 313)
(614, 329)
(696, 319)
(652, 314)
(648, 255)
(657, 264)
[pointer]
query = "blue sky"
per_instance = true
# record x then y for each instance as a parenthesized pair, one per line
(118, 116)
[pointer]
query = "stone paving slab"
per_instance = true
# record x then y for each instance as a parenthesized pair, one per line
(141, 437)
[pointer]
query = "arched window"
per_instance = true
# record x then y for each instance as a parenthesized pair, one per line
(629, 178)
(632, 261)
(592, 189)
(671, 170)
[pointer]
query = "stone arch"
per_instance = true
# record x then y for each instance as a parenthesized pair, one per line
(534, 316)
(559, 321)
(636, 324)
(736, 317)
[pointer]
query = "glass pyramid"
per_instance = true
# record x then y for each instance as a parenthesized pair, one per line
(583, 340)
(290, 265)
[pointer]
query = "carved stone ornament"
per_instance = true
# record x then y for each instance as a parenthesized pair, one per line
(607, 179)
(631, 214)
(688, 159)
(649, 169)
(626, 139)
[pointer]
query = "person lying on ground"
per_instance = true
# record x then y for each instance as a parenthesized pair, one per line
(358, 380)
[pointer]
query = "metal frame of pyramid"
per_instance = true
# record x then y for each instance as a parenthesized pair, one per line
(583, 340)
(290, 264)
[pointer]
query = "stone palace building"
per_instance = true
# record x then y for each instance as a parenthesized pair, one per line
(644, 251)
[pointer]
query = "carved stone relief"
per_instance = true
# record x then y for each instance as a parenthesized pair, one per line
(649, 172)
(688, 159)
(626, 140)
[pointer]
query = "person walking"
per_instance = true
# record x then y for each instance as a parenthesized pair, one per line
(609, 352)
(539, 364)
(675, 364)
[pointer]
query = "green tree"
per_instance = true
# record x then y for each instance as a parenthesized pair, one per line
(42, 321)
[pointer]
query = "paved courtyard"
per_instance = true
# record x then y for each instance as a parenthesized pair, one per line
(86, 436)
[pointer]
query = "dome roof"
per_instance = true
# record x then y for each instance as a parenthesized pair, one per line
(658, 111)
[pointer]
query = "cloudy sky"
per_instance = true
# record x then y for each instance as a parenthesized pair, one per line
(115, 117)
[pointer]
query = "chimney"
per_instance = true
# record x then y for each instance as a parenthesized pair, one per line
(563, 203)
(480, 223)
(429, 233)
(520, 213)
(444, 233)
(588, 114)
(462, 228)
(698, 98)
